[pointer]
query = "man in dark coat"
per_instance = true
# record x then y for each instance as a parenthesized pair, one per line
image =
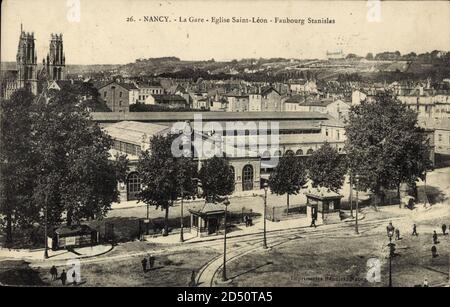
(151, 261)
(54, 272)
(434, 251)
(435, 237)
(63, 277)
(144, 264)
(414, 233)
(444, 229)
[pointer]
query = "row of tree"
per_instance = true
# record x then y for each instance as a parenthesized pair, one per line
(166, 178)
(385, 147)
(54, 158)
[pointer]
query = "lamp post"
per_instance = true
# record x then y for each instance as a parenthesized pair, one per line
(45, 218)
(266, 187)
(390, 233)
(356, 205)
(182, 217)
(224, 271)
(45, 228)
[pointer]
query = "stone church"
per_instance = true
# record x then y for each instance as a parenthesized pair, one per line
(27, 74)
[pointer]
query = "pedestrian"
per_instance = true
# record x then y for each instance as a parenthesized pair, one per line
(397, 234)
(435, 237)
(313, 223)
(63, 277)
(192, 283)
(144, 264)
(74, 277)
(414, 233)
(151, 261)
(246, 220)
(425, 283)
(390, 229)
(54, 272)
(434, 251)
(444, 229)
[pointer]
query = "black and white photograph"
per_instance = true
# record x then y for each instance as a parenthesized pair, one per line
(224, 144)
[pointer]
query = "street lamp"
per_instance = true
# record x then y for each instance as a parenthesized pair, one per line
(390, 234)
(356, 204)
(181, 219)
(224, 271)
(266, 187)
(45, 218)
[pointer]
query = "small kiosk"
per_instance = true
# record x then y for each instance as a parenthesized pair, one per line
(73, 236)
(320, 202)
(206, 218)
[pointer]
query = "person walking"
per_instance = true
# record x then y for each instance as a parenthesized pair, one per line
(63, 277)
(313, 223)
(54, 272)
(434, 251)
(435, 237)
(444, 229)
(414, 233)
(397, 234)
(144, 265)
(151, 261)
(425, 283)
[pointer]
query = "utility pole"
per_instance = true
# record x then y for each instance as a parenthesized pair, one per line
(356, 206)
(265, 212)
(351, 194)
(182, 217)
(224, 271)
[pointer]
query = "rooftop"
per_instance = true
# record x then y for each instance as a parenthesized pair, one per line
(134, 132)
(206, 116)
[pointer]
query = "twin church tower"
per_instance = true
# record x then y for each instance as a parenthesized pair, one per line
(53, 66)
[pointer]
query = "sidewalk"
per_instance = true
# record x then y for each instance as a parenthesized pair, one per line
(135, 203)
(241, 230)
(38, 254)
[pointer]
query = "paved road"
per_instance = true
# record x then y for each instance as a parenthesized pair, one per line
(208, 273)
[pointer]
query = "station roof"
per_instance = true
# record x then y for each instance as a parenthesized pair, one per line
(134, 132)
(206, 116)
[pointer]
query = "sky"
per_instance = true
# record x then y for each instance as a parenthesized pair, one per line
(102, 35)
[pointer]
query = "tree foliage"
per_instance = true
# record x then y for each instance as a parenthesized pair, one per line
(326, 168)
(385, 146)
(53, 156)
(288, 176)
(165, 178)
(217, 179)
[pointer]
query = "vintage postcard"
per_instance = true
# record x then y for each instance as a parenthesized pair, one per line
(211, 144)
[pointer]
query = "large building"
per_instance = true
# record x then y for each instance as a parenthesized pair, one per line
(252, 141)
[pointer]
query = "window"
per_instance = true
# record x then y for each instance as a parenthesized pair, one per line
(326, 132)
(247, 176)
(338, 135)
(104, 94)
(299, 152)
(310, 152)
(288, 153)
(133, 186)
(120, 94)
(440, 137)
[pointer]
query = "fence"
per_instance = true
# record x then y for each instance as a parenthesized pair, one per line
(276, 214)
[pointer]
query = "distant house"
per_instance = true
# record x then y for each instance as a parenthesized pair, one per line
(118, 96)
(338, 109)
(237, 102)
(146, 89)
(301, 103)
(168, 100)
(268, 100)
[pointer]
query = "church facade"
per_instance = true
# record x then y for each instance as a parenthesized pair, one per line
(27, 74)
